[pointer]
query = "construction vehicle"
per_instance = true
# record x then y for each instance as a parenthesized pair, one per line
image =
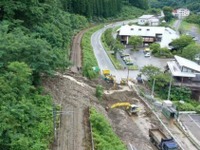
(108, 77)
(161, 141)
(168, 110)
(130, 108)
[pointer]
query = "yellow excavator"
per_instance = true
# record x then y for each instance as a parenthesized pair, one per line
(130, 108)
(107, 76)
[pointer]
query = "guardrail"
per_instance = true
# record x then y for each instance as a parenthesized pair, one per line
(147, 104)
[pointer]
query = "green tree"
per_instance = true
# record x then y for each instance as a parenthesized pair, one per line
(20, 128)
(191, 51)
(117, 47)
(162, 80)
(182, 42)
(155, 47)
(168, 13)
(36, 52)
(99, 92)
(150, 71)
(135, 41)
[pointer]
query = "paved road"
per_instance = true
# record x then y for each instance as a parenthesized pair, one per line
(192, 123)
(102, 57)
(105, 63)
(177, 24)
(138, 57)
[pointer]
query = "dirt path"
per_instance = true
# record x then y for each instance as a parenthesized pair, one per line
(76, 54)
(74, 98)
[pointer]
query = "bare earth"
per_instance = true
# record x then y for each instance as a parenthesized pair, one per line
(75, 96)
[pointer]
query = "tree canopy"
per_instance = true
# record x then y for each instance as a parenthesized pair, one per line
(35, 40)
(191, 52)
(182, 42)
(135, 41)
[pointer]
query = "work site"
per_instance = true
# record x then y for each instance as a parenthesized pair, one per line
(131, 117)
(132, 113)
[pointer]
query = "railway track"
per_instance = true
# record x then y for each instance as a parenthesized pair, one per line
(76, 54)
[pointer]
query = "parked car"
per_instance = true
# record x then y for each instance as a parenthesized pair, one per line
(124, 55)
(147, 54)
(146, 50)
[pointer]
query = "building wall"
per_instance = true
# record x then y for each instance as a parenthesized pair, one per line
(181, 13)
(142, 21)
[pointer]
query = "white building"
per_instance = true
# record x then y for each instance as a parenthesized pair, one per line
(150, 20)
(150, 34)
(184, 69)
(181, 12)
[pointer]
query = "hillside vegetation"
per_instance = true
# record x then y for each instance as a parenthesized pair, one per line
(193, 5)
(35, 41)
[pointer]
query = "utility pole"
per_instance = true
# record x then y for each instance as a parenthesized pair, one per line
(153, 86)
(170, 86)
(54, 121)
(127, 75)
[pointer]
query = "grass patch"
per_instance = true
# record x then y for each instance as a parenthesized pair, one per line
(185, 26)
(89, 59)
(133, 67)
(171, 23)
(115, 61)
(104, 136)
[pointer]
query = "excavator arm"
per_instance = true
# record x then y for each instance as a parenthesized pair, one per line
(126, 104)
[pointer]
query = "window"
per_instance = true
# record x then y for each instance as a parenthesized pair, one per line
(139, 29)
(148, 29)
(132, 29)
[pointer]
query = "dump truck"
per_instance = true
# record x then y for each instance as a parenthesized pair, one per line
(162, 141)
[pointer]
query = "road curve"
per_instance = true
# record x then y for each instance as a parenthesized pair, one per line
(102, 58)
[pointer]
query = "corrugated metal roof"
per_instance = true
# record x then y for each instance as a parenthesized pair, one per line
(149, 31)
(187, 63)
(177, 72)
(145, 16)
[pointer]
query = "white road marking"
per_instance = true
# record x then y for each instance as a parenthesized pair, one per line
(194, 121)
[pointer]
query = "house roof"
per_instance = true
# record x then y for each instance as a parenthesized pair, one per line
(146, 17)
(187, 63)
(149, 31)
(141, 30)
(175, 70)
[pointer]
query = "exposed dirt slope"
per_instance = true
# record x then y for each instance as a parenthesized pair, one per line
(75, 95)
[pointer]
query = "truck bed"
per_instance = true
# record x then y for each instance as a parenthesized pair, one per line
(157, 134)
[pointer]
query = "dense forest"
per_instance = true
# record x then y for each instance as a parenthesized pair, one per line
(35, 39)
(101, 8)
(193, 5)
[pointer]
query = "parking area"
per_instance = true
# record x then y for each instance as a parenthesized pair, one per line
(192, 123)
(139, 59)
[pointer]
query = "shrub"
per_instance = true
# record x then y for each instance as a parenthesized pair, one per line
(104, 137)
(198, 109)
(89, 59)
(184, 106)
(99, 92)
